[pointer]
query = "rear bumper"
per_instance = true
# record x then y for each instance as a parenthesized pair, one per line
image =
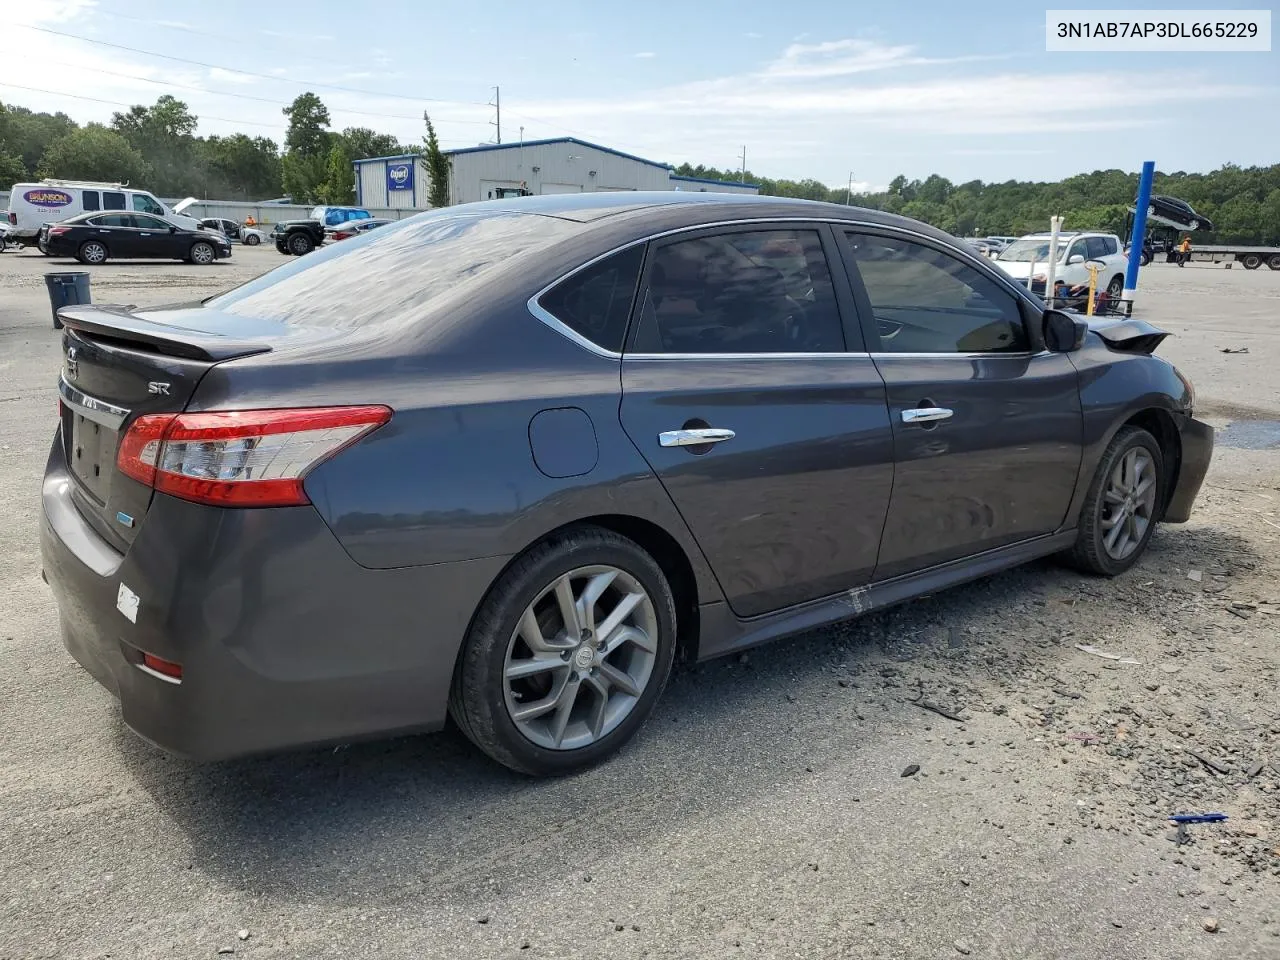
(284, 640)
(1197, 451)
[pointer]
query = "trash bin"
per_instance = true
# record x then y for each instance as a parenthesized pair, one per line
(66, 290)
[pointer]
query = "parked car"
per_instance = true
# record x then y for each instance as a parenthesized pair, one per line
(353, 228)
(234, 231)
(1075, 252)
(97, 237)
(332, 216)
(8, 238)
(51, 201)
(504, 461)
(297, 237)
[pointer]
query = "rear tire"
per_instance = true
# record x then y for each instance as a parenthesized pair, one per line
(509, 705)
(1120, 510)
(92, 252)
(1274, 262)
(300, 244)
(1251, 261)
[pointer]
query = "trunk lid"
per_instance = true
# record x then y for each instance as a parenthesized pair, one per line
(119, 365)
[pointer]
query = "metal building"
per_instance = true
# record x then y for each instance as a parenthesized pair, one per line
(393, 183)
(493, 171)
(703, 185)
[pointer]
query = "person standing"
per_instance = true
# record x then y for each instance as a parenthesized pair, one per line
(1184, 251)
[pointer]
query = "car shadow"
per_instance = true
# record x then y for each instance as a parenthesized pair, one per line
(439, 817)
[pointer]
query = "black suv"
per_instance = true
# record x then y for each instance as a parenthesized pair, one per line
(297, 237)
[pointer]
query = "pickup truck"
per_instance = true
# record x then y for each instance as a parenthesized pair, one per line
(298, 237)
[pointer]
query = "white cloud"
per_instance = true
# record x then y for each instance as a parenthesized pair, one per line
(646, 55)
(218, 75)
(752, 35)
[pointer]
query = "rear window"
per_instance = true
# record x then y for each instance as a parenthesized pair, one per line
(392, 272)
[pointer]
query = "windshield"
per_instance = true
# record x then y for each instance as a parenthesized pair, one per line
(392, 272)
(1026, 250)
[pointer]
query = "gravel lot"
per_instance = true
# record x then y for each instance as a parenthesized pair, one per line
(765, 811)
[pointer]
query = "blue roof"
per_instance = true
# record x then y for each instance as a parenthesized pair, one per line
(725, 183)
(539, 143)
(402, 156)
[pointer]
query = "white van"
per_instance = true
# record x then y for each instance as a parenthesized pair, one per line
(33, 204)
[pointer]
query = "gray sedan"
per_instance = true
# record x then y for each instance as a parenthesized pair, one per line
(507, 462)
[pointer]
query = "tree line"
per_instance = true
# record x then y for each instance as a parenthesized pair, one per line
(1243, 203)
(156, 146)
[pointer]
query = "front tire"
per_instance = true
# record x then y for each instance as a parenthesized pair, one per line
(300, 244)
(252, 240)
(92, 252)
(1115, 287)
(567, 655)
(202, 254)
(1123, 503)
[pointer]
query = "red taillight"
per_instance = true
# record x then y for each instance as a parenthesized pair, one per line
(247, 458)
(166, 668)
(13, 219)
(58, 231)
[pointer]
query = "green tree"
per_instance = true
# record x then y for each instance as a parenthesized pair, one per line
(307, 135)
(241, 167)
(437, 168)
(12, 170)
(301, 176)
(93, 152)
(361, 143)
(339, 186)
(163, 134)
(26, 135)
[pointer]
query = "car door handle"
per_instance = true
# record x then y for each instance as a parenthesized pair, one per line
(694, 438)
(926, 414)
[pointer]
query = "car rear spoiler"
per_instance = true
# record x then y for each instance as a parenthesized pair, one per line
(123, 326)
(1128, 334)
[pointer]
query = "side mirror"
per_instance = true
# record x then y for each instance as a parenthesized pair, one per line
(1064, 332)
(1075, 258)
(172, 228)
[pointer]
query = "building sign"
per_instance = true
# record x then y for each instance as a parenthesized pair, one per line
(399, 176)
(45, 197)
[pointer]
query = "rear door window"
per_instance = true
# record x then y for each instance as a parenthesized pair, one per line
(112, 201)
(595, 302)
(91, 200)
(757, 291)
(144, 222)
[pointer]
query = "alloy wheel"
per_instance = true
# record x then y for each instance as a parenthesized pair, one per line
(580, 657)
(1128, 503)
(202, 253)
(94, 253)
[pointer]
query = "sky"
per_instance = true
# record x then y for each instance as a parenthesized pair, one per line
(809, 88)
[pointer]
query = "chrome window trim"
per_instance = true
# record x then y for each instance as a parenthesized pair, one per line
(99, 411)
(747, 356)
(569, 333)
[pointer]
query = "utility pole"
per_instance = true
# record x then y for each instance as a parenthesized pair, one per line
(848, 197)
(496, 103)
(742, 176)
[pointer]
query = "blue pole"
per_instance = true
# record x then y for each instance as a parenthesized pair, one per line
(1139, 228)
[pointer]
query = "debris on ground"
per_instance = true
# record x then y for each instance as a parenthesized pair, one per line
(911, 770)
(1090, 648)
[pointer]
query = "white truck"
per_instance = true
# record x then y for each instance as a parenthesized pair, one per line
(34, 204)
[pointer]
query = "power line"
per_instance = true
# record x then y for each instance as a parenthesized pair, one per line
(249, 96)
(303, 83)
(247, 73)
